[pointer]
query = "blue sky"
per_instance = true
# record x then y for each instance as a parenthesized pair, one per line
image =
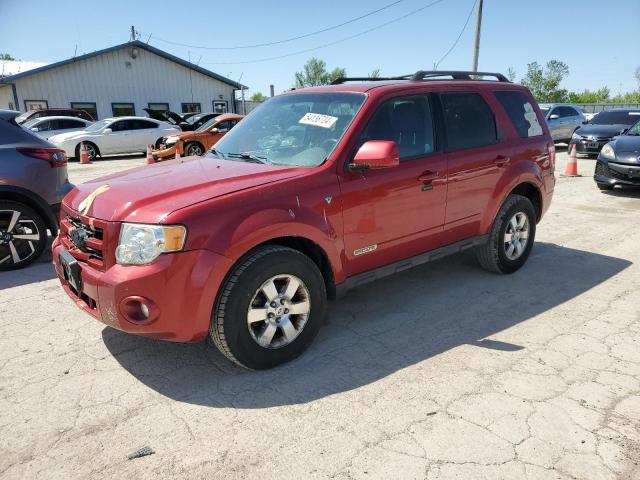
(596, 39)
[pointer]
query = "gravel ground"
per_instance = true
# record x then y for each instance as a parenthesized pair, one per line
(441, 372)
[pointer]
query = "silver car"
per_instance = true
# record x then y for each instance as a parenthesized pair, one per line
(563, 119)
(46, 127)
(33, 180)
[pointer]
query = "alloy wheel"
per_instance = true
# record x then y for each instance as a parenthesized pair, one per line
(19, 237)
(516, 236)
(278, 311)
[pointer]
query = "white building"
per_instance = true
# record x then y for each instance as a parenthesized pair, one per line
(117, 81)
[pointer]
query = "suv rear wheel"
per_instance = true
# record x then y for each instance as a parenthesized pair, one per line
(23, 235)
(511, 237)
(270, 309)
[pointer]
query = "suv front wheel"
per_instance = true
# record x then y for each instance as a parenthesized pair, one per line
(270, 309)
(511, 237)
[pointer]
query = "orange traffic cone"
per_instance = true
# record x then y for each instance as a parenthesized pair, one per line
(84, 157)
(150, 159)
(571, 169)
(177, 157)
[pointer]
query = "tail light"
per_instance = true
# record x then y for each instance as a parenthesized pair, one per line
(552, 156)
(55, 156)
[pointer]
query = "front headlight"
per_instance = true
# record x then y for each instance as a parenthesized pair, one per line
(171, 141)
(608, 152)
(575, 136)
(141, 244)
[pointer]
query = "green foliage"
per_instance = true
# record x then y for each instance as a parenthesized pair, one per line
(544, 82)
(6, 56)
(257, 97)
(629, 97)
(587, 96)
(511, 74)
(375, 73)
(315, 73)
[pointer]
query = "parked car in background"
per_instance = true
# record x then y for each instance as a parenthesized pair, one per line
(54, 112)
(198, 141)
(46, 127)
(34, 180)
(563, 119)
(619, 160)
(318, 191)
(589, 116)
(114, 135)
(199, 119)
(591, 137)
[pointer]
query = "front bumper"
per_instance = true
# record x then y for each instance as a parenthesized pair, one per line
(181, 286)
(166, 153)
(612, 173)
(588, 146)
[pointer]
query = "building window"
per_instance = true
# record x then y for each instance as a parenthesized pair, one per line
(35, 105)
(191, 108)
(159, 107)
(89, 107)
(123, 109)
(220, 106)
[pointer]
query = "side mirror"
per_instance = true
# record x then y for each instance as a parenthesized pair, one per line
(214, 130)
(554, 117)
(107, 131)
(376, 154)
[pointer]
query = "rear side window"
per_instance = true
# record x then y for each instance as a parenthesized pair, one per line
(71, 124)
(468, 120)
(143, 124)
(567, 112)
(521, 112)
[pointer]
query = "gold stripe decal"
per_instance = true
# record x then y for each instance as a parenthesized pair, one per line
(363, 250)
(85, 205)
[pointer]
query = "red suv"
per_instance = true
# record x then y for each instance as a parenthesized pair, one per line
(316, 192)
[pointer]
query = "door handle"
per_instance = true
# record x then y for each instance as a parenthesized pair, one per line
(501, 160)
(426, 178)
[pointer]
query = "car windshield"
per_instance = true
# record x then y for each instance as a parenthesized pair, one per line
(615, 118)
(22, 116)
(299, 129)
(30, 123)
(635, 130)
(195, 118)
(98, 126)
(544, 111)
(206, 125)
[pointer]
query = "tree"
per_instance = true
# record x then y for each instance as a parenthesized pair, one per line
(589, 96)
(544, 83)
(375, 73)
(511, 74)
(637, 75)
(258, 97)
(6, 56)
(315, 73)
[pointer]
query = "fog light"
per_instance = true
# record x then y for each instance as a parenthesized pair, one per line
(139, 310)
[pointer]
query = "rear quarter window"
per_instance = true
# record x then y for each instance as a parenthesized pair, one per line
(521, 113)
(468, 120)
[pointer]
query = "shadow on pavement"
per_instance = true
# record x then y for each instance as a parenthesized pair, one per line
(375, 331)
(39, 271)
(624, 191)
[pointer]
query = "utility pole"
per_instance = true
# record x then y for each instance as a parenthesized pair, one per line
(476, 48)
(133, 34)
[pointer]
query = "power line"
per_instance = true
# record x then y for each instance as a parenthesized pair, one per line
(459, 35)
(286, 40)
(350, 37)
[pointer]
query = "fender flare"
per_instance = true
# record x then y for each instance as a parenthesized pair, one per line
(33, 200)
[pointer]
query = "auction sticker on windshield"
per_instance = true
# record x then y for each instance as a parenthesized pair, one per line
(318, 120)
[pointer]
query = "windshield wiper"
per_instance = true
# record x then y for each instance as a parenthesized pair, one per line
(251, 157)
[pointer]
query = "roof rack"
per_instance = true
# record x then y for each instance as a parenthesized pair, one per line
(424, 75)
(340, 80)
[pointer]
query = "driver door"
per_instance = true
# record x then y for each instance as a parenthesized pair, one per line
(397, 212)
(119, 140)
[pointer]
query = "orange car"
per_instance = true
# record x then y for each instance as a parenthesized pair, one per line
(198, 141)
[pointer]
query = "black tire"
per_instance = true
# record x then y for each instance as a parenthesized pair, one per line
(492, 256)
(604, 186)
(193, 149)
(229, 328)
(29, 222)
(92, 151)
(157, 144)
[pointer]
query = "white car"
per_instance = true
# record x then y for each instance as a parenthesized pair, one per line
(115, 135)
(46, 127)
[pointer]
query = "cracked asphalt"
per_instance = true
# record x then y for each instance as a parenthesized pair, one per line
(441, 372)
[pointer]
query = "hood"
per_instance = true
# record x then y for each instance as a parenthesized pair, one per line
(187, 135)
(627, 148)
(600, 130)
(149, 193)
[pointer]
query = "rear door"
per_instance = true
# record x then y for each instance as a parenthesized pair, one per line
(145, 132)
(397, 212)
(476, 157)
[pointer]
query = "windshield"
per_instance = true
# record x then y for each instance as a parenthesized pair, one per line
(206, 125)
(30, 123)
(615, 118)
(635, 130)
(300, 129)
(98, 125)
(21, 117)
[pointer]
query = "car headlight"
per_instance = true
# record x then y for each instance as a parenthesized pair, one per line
(608, 152)
(575, 136)
(141, 244)
(171, 140)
